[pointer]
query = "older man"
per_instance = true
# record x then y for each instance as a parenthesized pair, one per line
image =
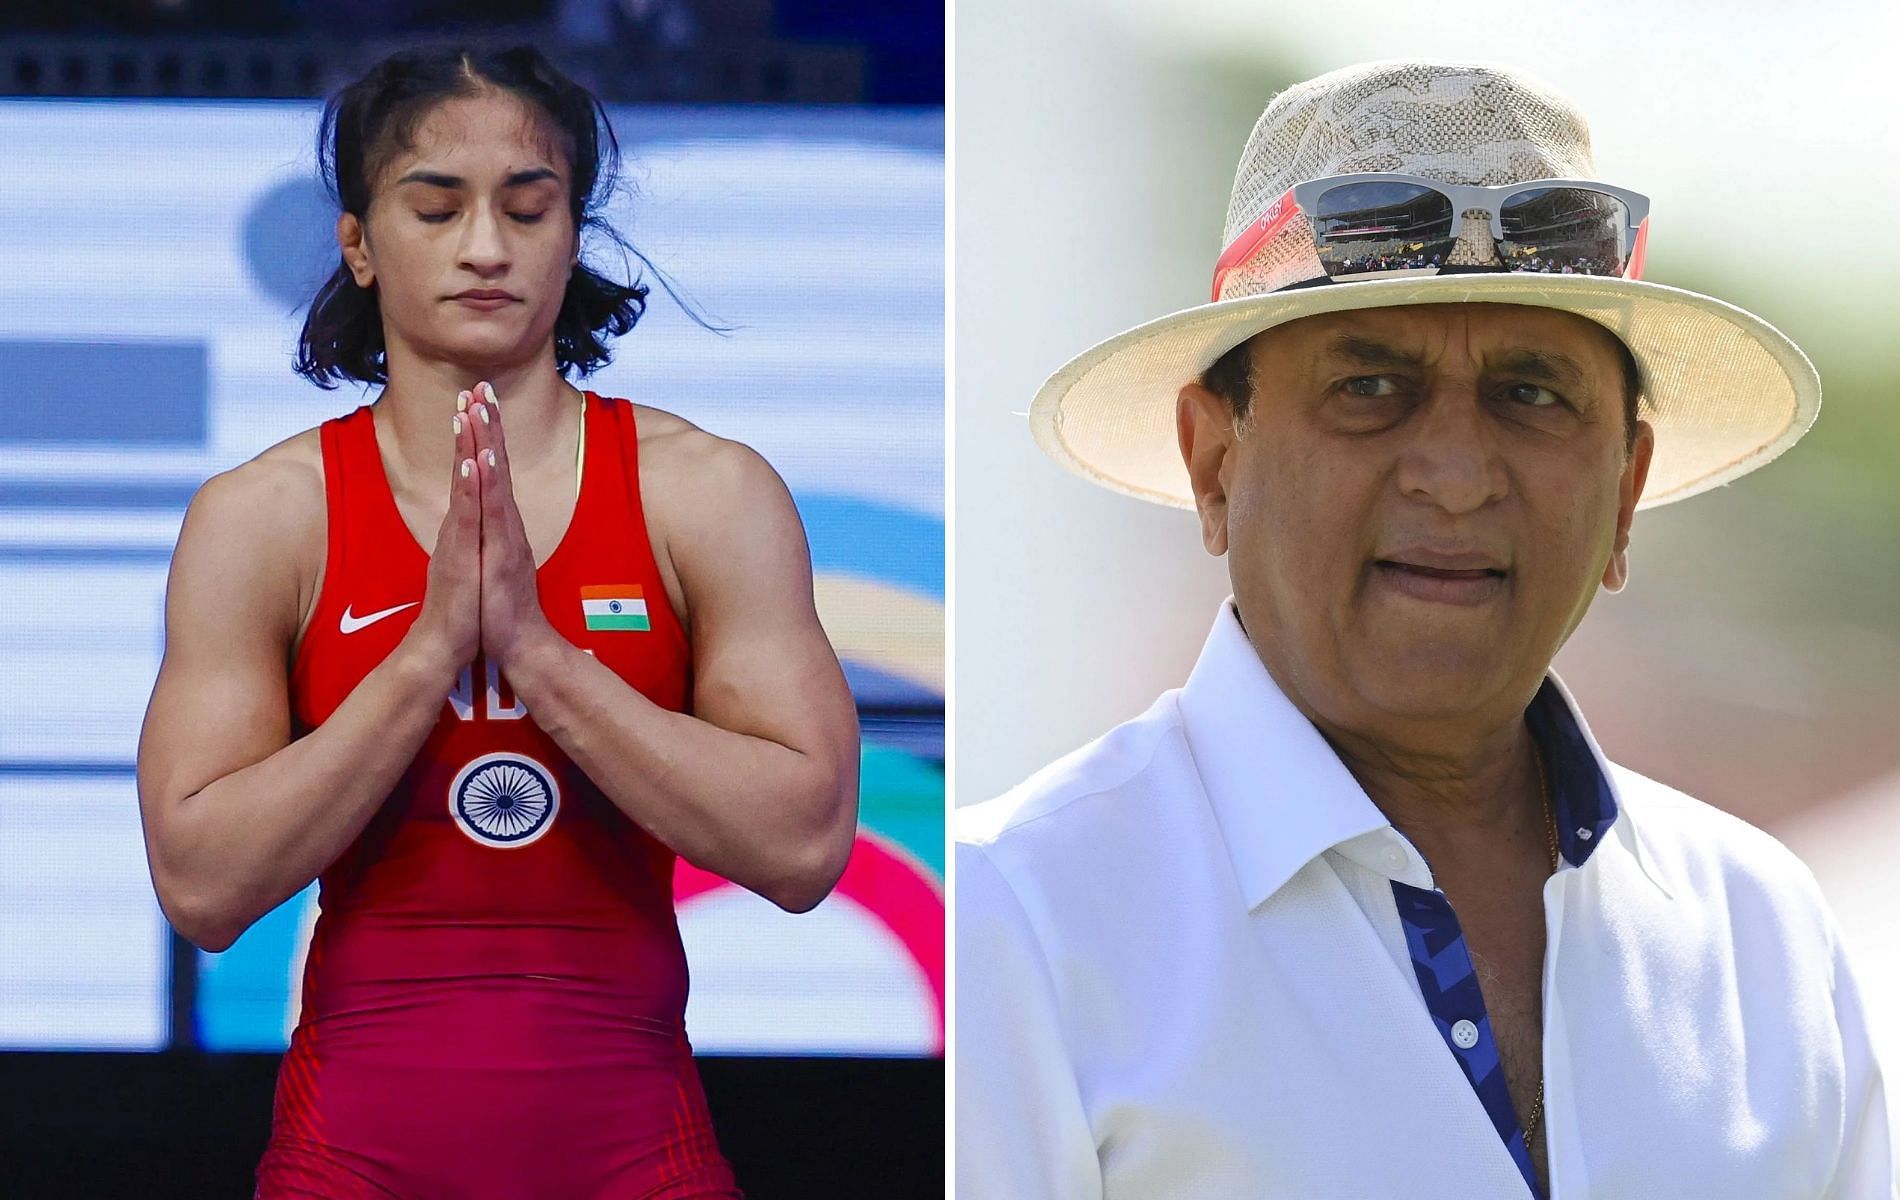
(1362, 910)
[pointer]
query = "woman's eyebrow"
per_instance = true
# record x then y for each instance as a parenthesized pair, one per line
(518, 179)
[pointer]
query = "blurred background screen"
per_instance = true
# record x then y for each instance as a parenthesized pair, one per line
(158, 255)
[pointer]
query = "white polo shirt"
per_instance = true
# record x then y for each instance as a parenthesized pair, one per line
(1182, 971)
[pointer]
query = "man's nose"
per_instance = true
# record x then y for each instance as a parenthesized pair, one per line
(1450, 457)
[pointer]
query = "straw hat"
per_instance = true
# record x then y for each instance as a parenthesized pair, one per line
(1725, 391)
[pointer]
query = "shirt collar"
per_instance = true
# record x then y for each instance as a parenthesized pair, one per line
(1581, 797)
(1243, 731)
(1605, 809)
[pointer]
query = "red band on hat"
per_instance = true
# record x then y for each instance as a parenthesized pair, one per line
(1635, 268)
(1278, 215)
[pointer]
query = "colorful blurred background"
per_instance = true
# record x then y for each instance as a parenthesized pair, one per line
(163, 230)
(1754, 661)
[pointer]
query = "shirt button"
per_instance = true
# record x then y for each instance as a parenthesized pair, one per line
(1395, 858)
(1465, 1035)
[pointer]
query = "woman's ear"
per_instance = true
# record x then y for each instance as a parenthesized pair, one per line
(350, 238)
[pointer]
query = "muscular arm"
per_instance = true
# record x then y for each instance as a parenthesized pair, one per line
(238, 817)
(759, 784)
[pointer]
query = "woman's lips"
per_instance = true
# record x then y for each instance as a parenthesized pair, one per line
(485, 303)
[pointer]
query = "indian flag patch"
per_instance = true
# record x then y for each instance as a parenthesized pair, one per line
(614, 606)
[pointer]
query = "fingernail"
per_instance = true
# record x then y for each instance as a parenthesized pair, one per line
(491, 457)
(490, 389)
(461, 402)
(481, 410)
(468, 464)
(458, 424)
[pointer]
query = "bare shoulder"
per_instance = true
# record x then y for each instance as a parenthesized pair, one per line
(693, 474)
(253, 536)
(276, 494)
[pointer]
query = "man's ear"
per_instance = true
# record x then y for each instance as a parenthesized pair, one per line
(350, 237)
(1205, 427)
(1629, 490)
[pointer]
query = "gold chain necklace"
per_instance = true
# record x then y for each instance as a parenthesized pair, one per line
(580, 450)
(1550, 826)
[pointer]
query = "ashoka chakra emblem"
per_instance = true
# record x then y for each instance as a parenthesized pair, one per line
(504, 799)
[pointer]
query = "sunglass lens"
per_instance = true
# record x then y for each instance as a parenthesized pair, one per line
(1382, 226)
(1571, 231)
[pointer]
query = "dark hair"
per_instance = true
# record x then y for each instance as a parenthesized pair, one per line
(367, 122)
(1231, 378)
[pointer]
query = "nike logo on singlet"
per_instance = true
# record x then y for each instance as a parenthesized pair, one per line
(351, 624)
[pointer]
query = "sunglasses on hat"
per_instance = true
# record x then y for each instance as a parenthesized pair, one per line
(1373, 224)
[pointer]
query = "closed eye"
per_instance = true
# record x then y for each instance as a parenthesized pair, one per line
(520, 218)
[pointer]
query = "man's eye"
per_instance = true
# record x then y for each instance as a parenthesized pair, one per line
(527, 218)
(1532, 395)
(435, 218)
(1370, 385)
